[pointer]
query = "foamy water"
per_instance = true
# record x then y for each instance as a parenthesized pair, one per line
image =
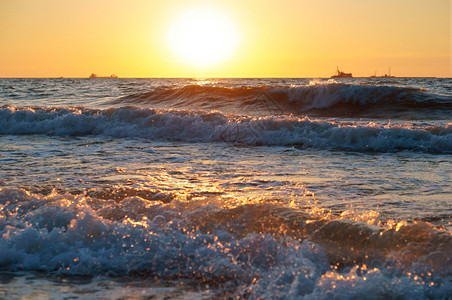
(257, 188)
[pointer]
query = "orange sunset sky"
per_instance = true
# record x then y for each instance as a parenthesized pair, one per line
(244, 38)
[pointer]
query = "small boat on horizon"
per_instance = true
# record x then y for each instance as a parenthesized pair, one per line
(340, 74)
(97, 76)
(388, 75)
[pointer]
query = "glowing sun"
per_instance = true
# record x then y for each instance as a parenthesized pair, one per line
(202, 37)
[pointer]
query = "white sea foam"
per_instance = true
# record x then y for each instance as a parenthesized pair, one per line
(200, 126)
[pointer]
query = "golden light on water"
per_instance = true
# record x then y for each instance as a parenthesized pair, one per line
(202, 37)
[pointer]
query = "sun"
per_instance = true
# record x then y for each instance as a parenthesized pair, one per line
(203, 37)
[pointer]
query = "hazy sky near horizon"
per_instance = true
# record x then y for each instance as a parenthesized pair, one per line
(284, 38)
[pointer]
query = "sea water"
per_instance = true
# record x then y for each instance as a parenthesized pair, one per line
(248, 188)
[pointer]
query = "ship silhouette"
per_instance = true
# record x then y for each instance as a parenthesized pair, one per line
(340, 74)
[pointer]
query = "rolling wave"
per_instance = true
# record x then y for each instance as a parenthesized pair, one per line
(331, 99)
(201, 126)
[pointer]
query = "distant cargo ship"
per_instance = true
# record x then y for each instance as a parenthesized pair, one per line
(340, 74)
(97, 76)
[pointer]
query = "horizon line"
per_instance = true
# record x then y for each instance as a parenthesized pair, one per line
(204, 77)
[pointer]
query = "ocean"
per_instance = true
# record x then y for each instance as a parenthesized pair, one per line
(226, 188)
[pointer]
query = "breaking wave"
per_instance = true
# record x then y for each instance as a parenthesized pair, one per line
(252, 250)
(200, 126)
(331, 99)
